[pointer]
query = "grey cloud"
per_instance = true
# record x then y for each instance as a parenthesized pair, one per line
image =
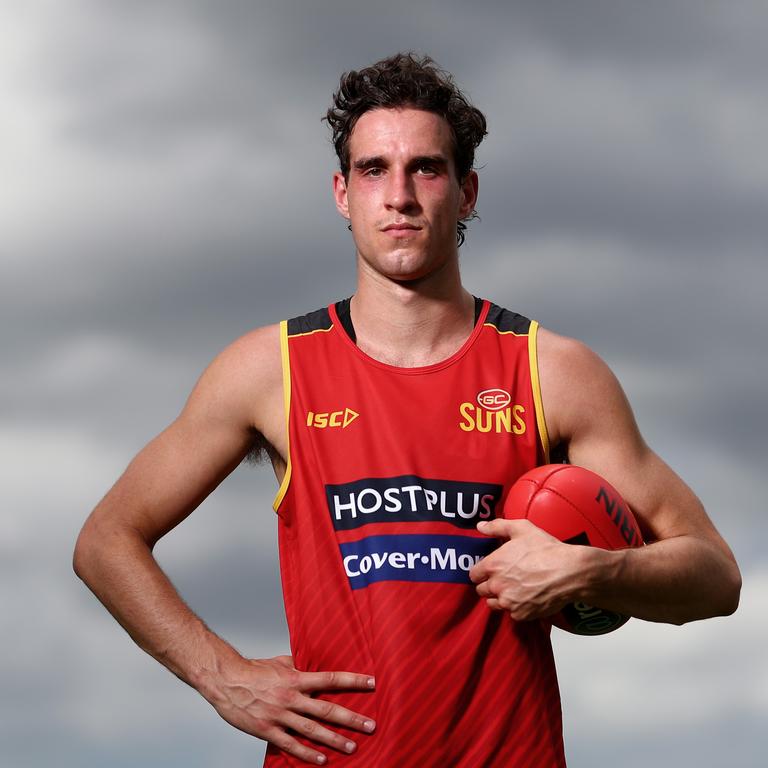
(224, 562)
(719, 742)
(238, 593)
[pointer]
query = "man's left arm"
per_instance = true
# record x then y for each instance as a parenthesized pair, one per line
(685, 572)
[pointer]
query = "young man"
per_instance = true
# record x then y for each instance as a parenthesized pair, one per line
(393, 468)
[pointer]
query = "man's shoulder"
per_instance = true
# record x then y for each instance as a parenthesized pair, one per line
(255, 347)
(558, 350)
(243, 384)
(249, 365)
(577, 385)
(567, 363)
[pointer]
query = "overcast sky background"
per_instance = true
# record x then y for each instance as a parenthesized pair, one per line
(165, 186)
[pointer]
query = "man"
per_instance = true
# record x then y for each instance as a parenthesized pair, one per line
(392, 475)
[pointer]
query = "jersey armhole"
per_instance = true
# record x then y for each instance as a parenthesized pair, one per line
(286, 366)
(533, 359)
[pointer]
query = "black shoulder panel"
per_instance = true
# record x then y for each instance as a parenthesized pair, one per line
(505, 321)
(319, 320)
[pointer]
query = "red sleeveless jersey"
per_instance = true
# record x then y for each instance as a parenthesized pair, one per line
(390, 470)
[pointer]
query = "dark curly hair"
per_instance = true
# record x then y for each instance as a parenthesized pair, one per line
(407, 80)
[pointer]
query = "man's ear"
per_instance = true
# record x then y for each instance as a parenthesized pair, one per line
(340, 194)
(469, 191)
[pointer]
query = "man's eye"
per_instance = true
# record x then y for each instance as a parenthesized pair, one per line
(373, 172)
(426, 169)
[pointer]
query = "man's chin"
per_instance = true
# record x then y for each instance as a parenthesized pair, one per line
(404, 265)
(414, 273)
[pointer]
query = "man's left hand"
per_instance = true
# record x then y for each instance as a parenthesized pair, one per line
(531, 575)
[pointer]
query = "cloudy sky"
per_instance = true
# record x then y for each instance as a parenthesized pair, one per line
(165, 186)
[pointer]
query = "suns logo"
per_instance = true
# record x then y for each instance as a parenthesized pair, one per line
(494, 412)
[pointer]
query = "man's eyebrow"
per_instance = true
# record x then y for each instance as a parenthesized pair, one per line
(369, 162)
(364, 163)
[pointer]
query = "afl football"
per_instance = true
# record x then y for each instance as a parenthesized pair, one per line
(576, 506)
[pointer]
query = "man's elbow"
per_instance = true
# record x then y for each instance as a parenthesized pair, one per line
(725, 592)
(98, 541)
(718, 595)
(731, 589)
(85, 551)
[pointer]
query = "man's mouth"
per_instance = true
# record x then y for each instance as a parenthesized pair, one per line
(401, 227)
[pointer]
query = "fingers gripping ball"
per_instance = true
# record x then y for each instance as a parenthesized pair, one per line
(578, 507)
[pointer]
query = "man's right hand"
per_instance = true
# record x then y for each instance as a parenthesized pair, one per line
(271, 699)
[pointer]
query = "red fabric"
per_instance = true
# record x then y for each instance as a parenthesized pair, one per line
(456, 684)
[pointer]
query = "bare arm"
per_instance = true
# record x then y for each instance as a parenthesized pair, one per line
(166, 481)
(686, 572)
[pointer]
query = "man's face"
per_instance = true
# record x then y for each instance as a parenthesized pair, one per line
(402, 197)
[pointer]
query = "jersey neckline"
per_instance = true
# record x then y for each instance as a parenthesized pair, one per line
(341, 333)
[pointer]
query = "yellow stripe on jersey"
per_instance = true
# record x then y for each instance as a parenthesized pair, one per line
(309, 333)
(286, 360)
(506, 333)
(533, 358)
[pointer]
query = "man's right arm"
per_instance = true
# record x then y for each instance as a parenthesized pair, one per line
(240, 392)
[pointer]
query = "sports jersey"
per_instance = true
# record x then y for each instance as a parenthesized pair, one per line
(389, 471)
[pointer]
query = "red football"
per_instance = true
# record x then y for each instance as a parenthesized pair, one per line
(578, 507)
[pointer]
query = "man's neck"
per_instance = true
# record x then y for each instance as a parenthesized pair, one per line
(412, 324)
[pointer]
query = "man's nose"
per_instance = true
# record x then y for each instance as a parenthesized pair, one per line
(401, 194)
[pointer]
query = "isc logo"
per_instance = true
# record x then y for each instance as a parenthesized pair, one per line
(331, 419)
